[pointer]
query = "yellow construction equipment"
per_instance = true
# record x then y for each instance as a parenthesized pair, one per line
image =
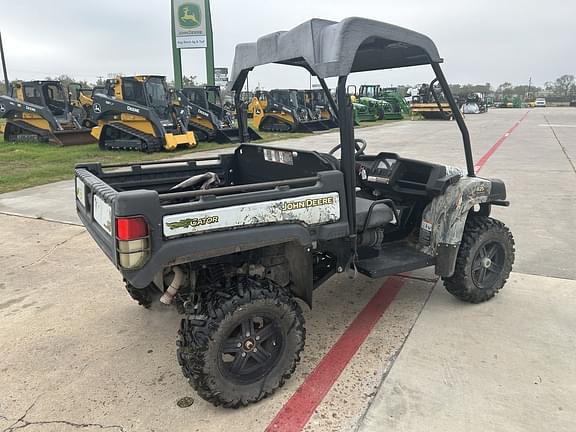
(140, 113)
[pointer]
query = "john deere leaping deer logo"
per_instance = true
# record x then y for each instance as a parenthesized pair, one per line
(189, 15)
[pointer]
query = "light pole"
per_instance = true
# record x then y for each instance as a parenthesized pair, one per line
(6, 81)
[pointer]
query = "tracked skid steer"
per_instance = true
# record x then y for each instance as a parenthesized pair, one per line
(83, 98)
(140, 113)
(286, 111)
(209, 119)
(40, 111)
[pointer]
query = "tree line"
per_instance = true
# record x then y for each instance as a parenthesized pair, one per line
(563, 88)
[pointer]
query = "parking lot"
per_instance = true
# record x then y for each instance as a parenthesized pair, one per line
(77, 352)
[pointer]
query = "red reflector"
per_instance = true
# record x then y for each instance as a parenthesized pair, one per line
(131, 228)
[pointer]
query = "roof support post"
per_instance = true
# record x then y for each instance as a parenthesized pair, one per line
(333, 105)
(241, 110)
(458, 117)
(347, 150)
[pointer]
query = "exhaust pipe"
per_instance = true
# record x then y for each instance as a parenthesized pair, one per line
(175, 285)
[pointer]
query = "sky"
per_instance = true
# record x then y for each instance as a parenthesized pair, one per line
(480, 41)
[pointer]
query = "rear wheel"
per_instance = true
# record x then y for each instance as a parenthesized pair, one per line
(247, 344)
(484, 260)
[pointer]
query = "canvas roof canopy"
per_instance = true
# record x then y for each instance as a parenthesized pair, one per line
(331, 49)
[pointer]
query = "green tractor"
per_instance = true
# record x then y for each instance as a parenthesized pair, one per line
(511, 102)
(398, 106)
(369, 109)
(366, 111)
(394, 98)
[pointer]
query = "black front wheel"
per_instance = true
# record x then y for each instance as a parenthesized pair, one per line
(484, 260)
(247, 344)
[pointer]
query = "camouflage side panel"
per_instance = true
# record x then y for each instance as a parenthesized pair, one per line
(444, 218)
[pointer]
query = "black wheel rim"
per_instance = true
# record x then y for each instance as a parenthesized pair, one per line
(488, 264)
(251, 349)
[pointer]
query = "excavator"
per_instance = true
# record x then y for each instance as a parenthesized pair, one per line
(140, 113)
(40, 111)
(209, 119)
(286, 111)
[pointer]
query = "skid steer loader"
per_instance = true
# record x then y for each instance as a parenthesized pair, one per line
(40, 111)
(257, 99)
(140, 113)
(209, 119)
(83, 98)
(286, 111)
(315, 100)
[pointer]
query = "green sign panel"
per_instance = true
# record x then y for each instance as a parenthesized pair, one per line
(189, 15)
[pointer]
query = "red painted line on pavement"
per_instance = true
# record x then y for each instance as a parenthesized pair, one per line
(480, 164)
(297, 411)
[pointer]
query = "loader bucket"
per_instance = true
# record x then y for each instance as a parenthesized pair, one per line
(316, 126)
(72, 137)
(231, 135)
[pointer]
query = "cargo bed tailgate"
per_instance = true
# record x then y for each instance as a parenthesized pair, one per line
(95, 202)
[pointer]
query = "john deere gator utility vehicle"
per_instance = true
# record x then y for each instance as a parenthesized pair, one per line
(286, 111)
(209, 119)
(40, 111)
(234, 240)
(140, 113)
(431, 102)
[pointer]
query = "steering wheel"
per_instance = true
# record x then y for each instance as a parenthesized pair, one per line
(359, 144)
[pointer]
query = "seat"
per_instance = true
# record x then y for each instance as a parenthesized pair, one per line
(381, 214)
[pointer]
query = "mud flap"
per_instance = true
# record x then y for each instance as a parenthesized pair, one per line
(446, 259)
(300, 263)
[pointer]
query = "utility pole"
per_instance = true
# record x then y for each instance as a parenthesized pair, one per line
(176, 58)
(6, 81)
(529, 87)
(209, 45)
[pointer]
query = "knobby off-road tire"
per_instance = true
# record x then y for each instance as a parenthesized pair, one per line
(484, 260)
(145, 296)
(247, 344)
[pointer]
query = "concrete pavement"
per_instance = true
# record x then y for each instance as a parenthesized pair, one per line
(506, 365)
(76, 350)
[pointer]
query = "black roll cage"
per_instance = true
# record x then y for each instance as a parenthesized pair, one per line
(363, 45)
(346, 126)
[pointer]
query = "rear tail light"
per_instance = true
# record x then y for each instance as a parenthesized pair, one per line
(133, 241)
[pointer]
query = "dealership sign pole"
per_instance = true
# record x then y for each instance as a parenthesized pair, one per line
(191, 29)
